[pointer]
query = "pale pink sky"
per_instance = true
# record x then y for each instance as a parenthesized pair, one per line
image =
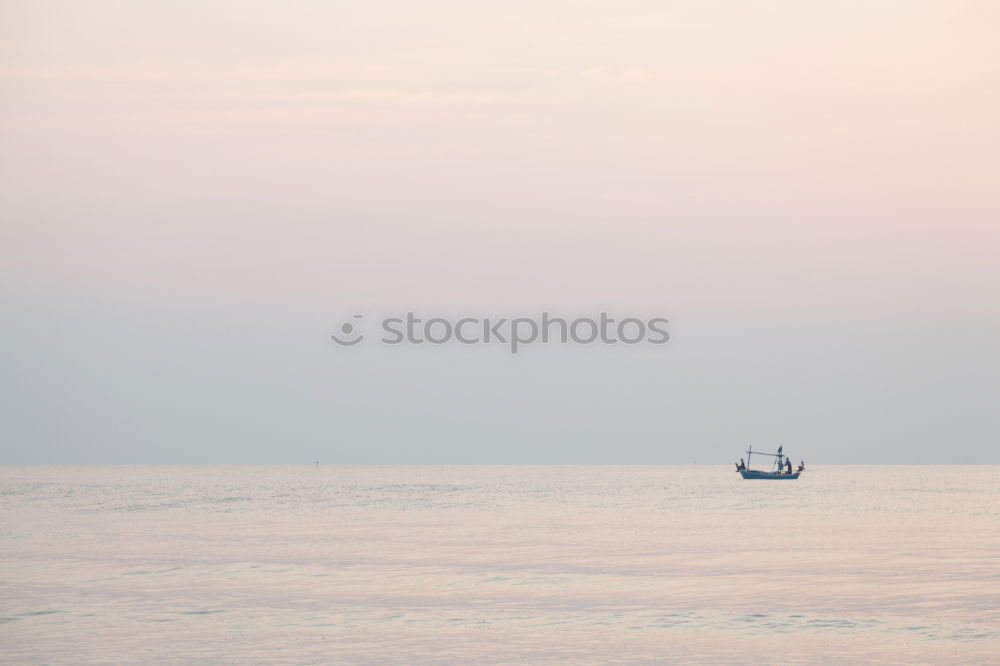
(721, 161)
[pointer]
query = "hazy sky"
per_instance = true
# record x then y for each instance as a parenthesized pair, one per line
(194, 195)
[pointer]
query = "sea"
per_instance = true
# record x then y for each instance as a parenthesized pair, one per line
(498, 565)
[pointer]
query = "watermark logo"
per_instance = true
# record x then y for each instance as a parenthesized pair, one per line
(514, 332)
(348, 333)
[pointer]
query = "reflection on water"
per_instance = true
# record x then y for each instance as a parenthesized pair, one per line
(462, 565)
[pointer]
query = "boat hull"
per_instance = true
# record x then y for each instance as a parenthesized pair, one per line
(775, 476)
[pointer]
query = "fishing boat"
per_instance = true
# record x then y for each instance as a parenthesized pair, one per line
(776, 467)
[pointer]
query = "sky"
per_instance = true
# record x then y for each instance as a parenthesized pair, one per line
(195, 195)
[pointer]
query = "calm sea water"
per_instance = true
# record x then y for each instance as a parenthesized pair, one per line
(463, 565)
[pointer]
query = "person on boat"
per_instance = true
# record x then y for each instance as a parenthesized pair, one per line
(802, 466)
(741, 465)
(788, 465)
